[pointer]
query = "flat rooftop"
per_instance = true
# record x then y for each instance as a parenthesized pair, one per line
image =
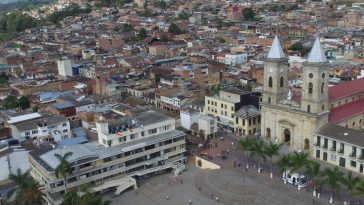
(342, 134)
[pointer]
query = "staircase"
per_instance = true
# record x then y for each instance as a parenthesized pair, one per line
(178, 168)
(121, 185)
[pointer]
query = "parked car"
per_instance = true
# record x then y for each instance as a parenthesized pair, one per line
(294, 178)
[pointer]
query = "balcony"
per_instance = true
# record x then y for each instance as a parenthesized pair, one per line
(324, 146)
(333, 149)
(341, 151)
(353, 154)
(361, 157)
(317, 144)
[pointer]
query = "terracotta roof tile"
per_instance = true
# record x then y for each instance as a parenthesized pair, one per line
(346, 111)
(346, 89)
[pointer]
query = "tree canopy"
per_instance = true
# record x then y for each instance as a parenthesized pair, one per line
(248, 14)
(175, 29)
(142, 34)
(72, 10)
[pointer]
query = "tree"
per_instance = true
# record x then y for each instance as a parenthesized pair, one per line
(64, 167)
(161, 4)
(164, 38)
(201, 133)
(145, 4)
(299, 160)
(258, 149)
(183, 15)
(175, 29)
(28, 191)
(248, 14)
(128, 28)
(299, 47)
(3, 78)
(247, 146)
(332, 177)
(284, 164)
(85, 198)
(313, 171)
(272, 150)
(351, 183)
(35, 109)
(24, 102)
(142, 34)
(11, 102)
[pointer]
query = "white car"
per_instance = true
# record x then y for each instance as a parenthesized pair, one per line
(94, 130)
(294, 178)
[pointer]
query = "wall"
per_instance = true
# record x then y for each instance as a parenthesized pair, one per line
(205, 164)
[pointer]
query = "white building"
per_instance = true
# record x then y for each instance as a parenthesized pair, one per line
(188, 117)
(235, 59)
(130, 148)
(39, 127)
(64, 68)
(208, 124)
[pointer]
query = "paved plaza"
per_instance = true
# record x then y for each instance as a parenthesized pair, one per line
(229, 185)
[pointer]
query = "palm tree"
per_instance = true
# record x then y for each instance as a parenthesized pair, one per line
(351, 183)
(258, 149)
(201, 133)
(64, 167)
(313, 171)
(85, 197)
(284, 164)
(247, 145)
(270, 151)
(332, 177)
(28, 191)
(299, 160)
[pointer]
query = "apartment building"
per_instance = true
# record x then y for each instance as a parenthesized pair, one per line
(340, 146)
(127, 149)
(247, 120)
(39, 126)
(226, 103)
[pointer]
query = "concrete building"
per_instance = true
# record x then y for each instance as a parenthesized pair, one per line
(247, 120)
(127, 150)
(235, 59)
(64, 68)
(208, 124)
(42, 127)
(188, 117)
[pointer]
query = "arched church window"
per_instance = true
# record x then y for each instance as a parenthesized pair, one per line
(310, 88)
(281, 82)
(270, 81)
(322, 88)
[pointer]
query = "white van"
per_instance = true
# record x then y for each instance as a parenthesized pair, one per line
(293, 178)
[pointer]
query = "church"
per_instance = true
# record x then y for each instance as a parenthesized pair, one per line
(301, 121)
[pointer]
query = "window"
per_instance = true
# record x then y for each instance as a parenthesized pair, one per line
(250, 122)
(269, 100)
(253, 121)
(243, 122)
(208, 108)
(142, 133)
(225, 113)
(310, 88)
(236, 120)
(342, 162)
(353, 124)
(270, 81)
(308, 108)
(34, 131)
(64, 124)
(64, 131)
(318, 154)
(324, 156)
(323, 107)
(281, 82)
(122, 139)
(232, 108)
(323, 75)
(353, 164)
(133, 136)
(259, 119)
(310, 75)
(322, 88)
(222, 105)
(333, 157)
(152, 131)
(208, 102)
(225, 106)
(27, 133)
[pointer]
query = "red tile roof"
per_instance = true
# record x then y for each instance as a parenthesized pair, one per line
(346, 111)
(346, 89)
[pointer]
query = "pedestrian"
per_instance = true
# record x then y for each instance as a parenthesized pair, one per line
(254, 166)
(167, 197)
(215, 144)
(246, 170)
(199, 188)
(190, 201)
(234, 163)
(221, 138)
(181, 181)
(313, 201)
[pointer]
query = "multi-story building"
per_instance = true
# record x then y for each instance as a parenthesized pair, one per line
(36, 126)
(64, 68)
(247, 120)
(127, 149)
(340, 146)
(224, 105)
